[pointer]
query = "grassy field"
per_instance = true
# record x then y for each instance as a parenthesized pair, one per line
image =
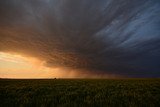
(80, 93)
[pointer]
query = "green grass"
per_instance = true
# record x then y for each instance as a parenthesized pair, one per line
(80, 93)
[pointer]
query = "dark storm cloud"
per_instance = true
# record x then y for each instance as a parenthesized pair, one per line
(107, 36)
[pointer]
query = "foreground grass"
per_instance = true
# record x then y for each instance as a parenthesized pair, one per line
(80, 93)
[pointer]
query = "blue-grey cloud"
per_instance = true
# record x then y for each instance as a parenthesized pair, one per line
(106, 36)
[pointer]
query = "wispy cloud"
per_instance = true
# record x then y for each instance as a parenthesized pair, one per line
(120, 37)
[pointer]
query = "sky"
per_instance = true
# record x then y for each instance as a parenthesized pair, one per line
(79, 38)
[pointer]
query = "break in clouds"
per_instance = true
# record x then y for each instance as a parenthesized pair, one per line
(120, 37)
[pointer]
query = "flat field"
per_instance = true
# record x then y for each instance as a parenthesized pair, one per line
(80, 93)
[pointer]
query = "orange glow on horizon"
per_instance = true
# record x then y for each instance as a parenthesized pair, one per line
(18, 66)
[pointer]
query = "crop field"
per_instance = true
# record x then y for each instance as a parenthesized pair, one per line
(80, 93)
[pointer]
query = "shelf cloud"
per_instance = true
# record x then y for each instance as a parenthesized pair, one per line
(119, 37)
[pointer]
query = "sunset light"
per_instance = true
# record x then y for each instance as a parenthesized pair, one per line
(17, 66)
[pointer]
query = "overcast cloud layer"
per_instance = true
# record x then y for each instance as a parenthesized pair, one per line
(105, 36)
